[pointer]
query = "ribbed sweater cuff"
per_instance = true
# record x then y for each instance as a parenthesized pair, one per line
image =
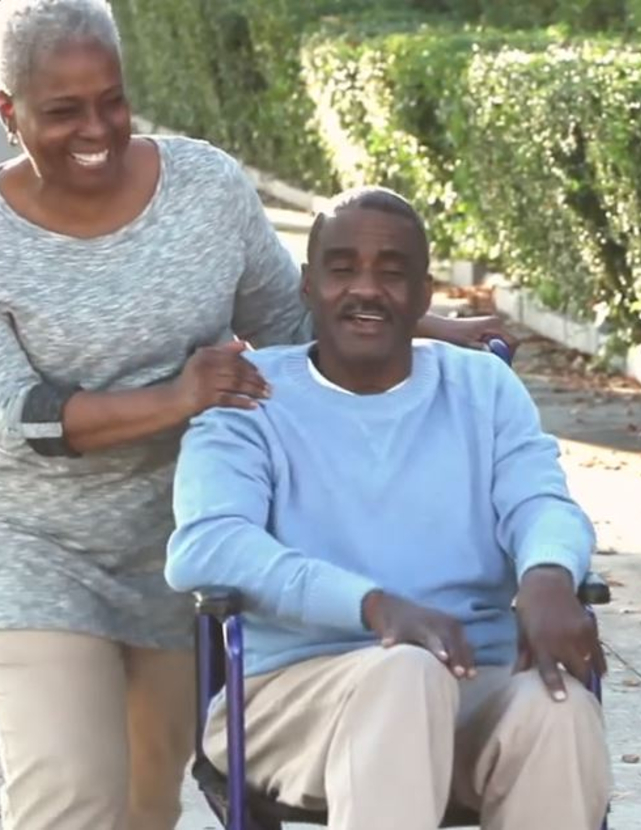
(557, 556)
(336, 602)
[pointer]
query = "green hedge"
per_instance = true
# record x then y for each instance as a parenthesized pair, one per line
(517, 149)
(579, 15)
(523, 149)
(229, 70)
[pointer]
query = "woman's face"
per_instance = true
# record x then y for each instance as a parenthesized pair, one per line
(73, 117)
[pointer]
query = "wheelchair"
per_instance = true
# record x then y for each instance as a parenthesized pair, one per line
(219, 663)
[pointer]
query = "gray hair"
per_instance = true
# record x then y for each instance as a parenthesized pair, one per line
(31, 28)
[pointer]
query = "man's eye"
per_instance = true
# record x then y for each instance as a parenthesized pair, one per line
(341, 268)
(393, 274)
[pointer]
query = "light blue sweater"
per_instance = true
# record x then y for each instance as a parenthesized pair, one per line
(444, 491)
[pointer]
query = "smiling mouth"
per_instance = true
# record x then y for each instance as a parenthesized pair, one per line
(91, 159)
(367, 322)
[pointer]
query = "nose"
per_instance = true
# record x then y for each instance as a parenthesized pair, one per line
(364, 284)
(93, 126)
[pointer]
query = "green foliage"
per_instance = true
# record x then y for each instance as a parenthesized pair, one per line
(579, 15)
(522, 149)
(553, 150)
(517, 148)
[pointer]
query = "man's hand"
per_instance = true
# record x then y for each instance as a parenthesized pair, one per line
(397, 621)
(555, 630)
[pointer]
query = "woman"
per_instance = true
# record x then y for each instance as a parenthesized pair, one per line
(126, 264)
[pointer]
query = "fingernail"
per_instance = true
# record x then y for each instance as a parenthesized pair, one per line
(442, 655)
(559, 695)
(267, 391)
(471, 673)
(459, 671)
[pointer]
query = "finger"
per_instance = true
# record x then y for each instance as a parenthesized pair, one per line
(235, 346)
(460, 655)
(228, 400)
(433, 643)
(238, 386)
(552, 677)
(579, 663)
(599, 660)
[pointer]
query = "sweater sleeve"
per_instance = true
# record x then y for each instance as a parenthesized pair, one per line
(268, 310)
(538, 522)
(222, 496)
(30, 407)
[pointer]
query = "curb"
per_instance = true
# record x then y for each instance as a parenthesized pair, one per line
(521, 305)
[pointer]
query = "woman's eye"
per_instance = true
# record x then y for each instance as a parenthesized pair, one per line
(62, 112)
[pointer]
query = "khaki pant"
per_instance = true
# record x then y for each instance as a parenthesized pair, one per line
(93, 735)
(384, 737)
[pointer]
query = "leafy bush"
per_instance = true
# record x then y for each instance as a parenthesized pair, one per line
(580, 15)
(517, 148)
(523, 149)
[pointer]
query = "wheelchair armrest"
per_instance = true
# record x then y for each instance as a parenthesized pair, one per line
(218, 601)
(594, 590)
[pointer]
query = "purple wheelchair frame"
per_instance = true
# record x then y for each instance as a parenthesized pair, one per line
(219, 654)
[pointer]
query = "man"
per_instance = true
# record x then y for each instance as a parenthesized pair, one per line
(379, 513)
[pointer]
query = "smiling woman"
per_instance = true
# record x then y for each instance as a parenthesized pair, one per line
(126, 264)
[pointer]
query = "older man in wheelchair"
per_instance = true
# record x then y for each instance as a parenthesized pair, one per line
(379, 515)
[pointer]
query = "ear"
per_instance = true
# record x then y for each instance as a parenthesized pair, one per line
(425, 298)
(7, 111)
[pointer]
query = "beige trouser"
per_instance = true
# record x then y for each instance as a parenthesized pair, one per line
(93, 735)
(384, 737)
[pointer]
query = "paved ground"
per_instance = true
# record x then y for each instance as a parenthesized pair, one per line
(598, 420)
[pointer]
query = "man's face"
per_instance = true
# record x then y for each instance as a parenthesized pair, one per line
(367, 284)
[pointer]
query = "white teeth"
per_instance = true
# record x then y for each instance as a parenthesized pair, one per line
(91, 159)
(369, 317)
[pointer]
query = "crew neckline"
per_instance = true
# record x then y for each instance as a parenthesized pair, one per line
(320, 378)
(418, 385)
(145, 216)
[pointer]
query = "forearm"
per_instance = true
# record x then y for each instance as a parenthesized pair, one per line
(434, 327)
(98, 420)
(276, 581)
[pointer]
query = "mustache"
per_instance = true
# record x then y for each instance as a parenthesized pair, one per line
(356, 307)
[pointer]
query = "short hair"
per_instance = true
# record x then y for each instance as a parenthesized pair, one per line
(366, 198)
(30, 28)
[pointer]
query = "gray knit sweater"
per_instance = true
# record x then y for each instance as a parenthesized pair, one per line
(82, 540)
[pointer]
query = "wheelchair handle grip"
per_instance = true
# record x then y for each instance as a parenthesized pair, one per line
(594, 590)
(500, 348)
(219, 601)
